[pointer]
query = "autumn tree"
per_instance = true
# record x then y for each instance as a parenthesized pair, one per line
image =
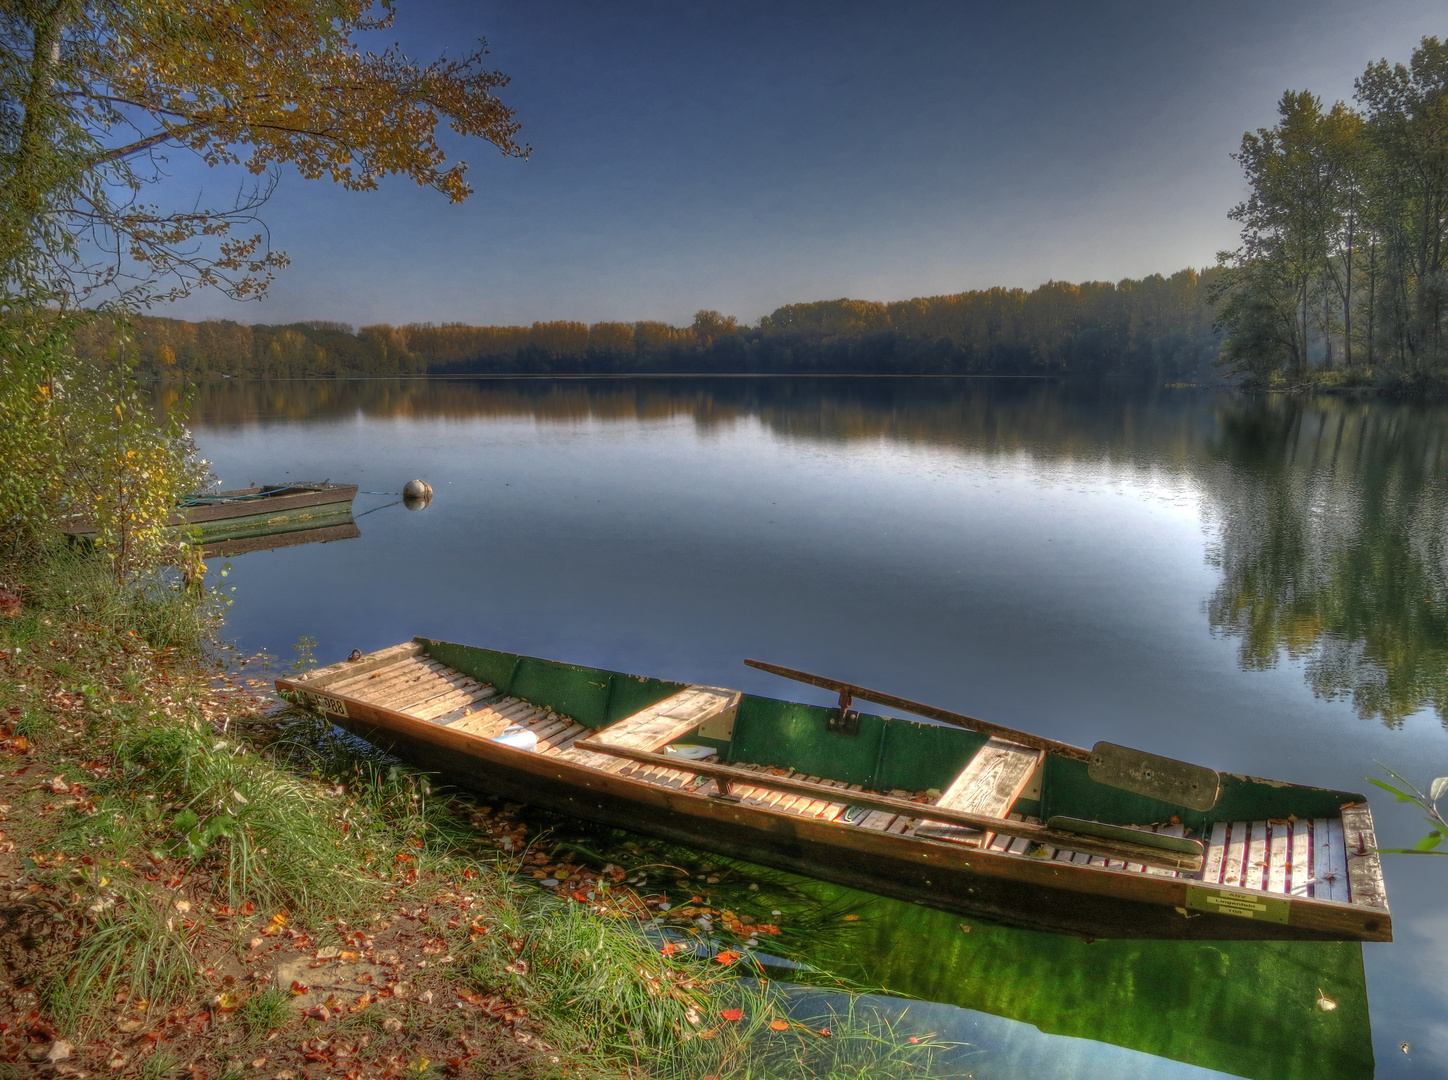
(97, 94)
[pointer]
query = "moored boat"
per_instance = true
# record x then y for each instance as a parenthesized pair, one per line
(959, 814)
(259, 517)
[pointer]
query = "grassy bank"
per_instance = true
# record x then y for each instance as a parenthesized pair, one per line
(195, 881)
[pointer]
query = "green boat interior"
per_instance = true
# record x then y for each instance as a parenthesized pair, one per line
(1283, 839)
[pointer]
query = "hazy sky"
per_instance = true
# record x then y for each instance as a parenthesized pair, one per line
(747, 155)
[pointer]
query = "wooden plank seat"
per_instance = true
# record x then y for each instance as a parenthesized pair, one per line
(653, 728)
(989, 785)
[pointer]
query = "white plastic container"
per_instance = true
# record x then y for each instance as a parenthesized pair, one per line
(518, 737)
(690, 751)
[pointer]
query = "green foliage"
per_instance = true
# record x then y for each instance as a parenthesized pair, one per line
(1428, 845)
(306, 650)
(82, 445)
(1344, 233)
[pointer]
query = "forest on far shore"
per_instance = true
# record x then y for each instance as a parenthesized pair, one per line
(1156, 327)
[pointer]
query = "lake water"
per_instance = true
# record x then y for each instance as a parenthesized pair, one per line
(1258, 584)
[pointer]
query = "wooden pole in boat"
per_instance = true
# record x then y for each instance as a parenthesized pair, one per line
(985, 727)
(1127, 844)
(1177, 782)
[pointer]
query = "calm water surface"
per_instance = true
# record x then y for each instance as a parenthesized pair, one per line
(1255, 584)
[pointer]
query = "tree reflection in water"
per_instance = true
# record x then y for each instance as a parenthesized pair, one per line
(1331, 518)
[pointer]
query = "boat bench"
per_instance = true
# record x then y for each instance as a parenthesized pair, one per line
(989, 784)
(653, 728)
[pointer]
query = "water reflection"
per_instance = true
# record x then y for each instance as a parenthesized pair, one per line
(1019, 1004)
(1242, 1008)
(1331, 515)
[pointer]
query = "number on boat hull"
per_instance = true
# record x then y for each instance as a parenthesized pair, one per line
(326, 702)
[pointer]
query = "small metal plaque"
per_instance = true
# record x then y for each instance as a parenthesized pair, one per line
(1242, 905)
(1177, 782)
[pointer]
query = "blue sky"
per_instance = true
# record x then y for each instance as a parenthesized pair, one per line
(748, 155)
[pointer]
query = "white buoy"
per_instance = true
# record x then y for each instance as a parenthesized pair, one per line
(417, 489)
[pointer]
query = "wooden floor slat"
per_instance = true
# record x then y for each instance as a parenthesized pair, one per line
(1299, 881)
(1279, 840)
(357, 685)
(1329, 861)
(1254, 875)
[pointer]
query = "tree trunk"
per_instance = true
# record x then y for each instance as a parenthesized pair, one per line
(1347, 295)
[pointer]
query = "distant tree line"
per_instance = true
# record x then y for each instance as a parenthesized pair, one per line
(1157, 327)
(1342, 273)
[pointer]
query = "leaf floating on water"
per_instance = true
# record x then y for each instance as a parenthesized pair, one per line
(1325, 1003)
(779, 1025)
(1403, 1047)
(851, 918)
(727, 956)
(732, 1015)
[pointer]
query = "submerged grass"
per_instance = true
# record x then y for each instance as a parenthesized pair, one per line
(193, 825)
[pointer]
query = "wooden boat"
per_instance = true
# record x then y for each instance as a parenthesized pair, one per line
(258, 518)
(973, 817)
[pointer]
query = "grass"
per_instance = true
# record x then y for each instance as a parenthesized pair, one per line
(134, 950)
(198, 830)
(266, 1011)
